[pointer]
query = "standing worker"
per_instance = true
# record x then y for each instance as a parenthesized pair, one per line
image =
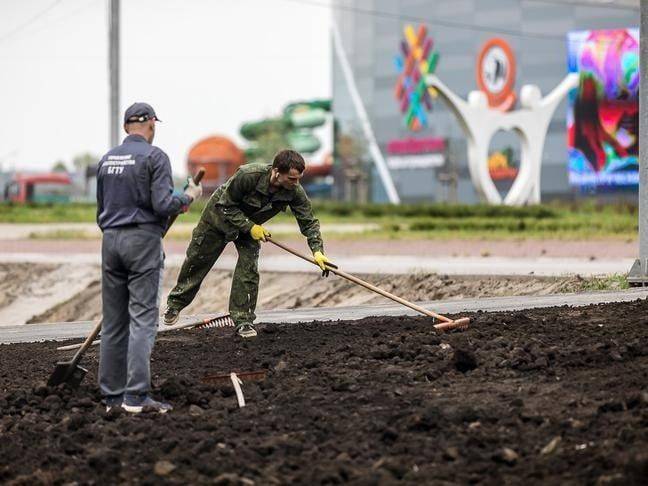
(134, 202)
(235, 212)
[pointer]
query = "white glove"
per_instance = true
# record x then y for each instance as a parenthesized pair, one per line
(193, 191)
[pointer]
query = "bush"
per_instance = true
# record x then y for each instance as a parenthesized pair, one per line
(435, 210)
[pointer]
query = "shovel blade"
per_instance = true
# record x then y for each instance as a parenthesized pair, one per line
(66, 372)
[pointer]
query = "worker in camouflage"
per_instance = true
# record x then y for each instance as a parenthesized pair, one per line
(234, 213)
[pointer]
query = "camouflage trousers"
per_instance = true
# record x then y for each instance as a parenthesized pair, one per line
(207, 244)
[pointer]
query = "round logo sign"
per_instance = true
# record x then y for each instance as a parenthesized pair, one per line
(496, 73)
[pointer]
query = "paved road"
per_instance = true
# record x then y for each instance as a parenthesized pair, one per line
(594, 249)
(62, 331)
(388, 264)
(23, 231)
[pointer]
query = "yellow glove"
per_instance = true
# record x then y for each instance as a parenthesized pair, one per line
(321, 259)
(258, 232)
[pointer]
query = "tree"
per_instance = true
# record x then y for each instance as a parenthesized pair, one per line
(82, 161)
(266, 143)
(59, 166)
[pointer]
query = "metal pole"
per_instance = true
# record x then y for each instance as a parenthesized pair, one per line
(361, 112)
(643, 136)
(113, 66)
(639, 272)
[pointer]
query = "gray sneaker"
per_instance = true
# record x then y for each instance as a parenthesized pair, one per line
(136, 404)
(246, 330)
(171, 316)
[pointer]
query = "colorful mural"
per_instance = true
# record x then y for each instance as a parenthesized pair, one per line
(603, 114)
(416, 60)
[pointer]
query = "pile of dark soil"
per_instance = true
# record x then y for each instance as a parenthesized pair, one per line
(552, 396)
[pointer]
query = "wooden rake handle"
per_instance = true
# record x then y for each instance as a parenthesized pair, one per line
(362, 283)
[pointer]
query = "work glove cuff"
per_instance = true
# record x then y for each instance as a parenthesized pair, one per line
(193, 190)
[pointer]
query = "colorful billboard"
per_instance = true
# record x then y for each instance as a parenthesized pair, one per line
(416, 153)
(416, 60)
(603, 114)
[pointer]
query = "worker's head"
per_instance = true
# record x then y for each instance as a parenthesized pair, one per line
(139, 119)
(287, 169)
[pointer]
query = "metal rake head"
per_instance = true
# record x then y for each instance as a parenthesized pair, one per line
(461, 324)
(218, 378)
(220, 321)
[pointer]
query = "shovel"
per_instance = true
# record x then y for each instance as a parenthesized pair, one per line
(69, 371)
(446, 323)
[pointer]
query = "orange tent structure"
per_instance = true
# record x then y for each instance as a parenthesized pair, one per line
(219, 156)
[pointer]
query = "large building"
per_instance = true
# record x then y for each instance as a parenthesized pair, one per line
(371, 33)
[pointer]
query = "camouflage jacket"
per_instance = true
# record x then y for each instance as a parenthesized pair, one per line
(245, 199)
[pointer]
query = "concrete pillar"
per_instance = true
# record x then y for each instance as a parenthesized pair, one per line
(113, 69)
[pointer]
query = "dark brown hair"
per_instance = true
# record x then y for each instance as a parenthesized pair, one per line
(288, 159)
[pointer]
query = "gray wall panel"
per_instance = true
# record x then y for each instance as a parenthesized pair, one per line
(373, 41)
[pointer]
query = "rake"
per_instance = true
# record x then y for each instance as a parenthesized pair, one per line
(446, 324)
(220, 378)
(217, 320)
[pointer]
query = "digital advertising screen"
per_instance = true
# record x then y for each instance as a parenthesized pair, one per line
(603, 112)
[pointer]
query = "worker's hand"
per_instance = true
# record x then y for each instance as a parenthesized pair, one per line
(321, 259)
(193, 190)
(258, 232)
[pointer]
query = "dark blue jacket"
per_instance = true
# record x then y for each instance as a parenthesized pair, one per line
(134, 186)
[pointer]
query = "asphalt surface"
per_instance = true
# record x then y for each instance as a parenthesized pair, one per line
(69, 330)
(387, 264)
(20, 231)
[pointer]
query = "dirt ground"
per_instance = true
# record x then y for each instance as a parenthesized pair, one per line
(28, 290)
(551, 396)
(277, 291)
(593, 248)
(15, 277)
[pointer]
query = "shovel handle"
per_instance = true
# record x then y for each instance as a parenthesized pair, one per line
(362, 283)
(88, 342)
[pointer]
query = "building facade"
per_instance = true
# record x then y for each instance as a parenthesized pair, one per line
(371, 33)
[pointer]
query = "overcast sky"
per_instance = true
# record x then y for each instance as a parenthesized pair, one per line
(206, 66)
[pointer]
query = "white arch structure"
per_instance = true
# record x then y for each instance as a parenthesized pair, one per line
(480, 123)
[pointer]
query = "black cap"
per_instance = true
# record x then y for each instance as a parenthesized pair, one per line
(139, 112)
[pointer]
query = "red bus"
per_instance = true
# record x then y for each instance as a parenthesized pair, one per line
(39, 188)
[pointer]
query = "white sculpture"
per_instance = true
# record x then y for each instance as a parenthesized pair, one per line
(480, 122)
